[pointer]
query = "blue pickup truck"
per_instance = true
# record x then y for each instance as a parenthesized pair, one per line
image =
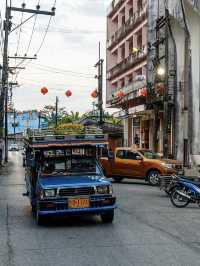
(63, 177)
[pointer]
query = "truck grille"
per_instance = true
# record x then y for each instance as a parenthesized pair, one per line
(65, 192)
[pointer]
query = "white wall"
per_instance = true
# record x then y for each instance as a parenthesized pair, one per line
(193, 19)
(179, 36)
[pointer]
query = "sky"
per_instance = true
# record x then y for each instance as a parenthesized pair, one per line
(67, 57)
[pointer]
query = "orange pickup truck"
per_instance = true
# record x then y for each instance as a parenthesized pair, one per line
(138, 164)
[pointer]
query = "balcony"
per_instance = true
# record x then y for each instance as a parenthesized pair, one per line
(131, 91)
(129, 25)
(115, 5)
(127, 63)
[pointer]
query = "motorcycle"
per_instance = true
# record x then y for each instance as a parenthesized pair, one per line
(184, 192)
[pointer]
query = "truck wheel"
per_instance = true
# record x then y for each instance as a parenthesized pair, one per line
(153, 177)
(107, 217)
(117, 179)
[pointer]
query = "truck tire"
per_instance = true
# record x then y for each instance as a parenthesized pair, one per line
(107, 217)
(153, 177)
(117, 179)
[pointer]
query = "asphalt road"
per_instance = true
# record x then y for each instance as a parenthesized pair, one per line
(147, 230)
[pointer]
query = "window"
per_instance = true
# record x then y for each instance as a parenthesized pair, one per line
(131, 12)
(127, 155)
(131, 155)
(139, 39)
(139, 4)
(120, 154)
(72, 165)
(123, 52)
(123, 20)
(130, 46)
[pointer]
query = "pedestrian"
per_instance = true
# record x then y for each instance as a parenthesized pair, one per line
(136, 140)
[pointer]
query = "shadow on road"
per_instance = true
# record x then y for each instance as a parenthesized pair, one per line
(130, 182)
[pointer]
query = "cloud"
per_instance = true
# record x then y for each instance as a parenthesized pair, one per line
(71, 44)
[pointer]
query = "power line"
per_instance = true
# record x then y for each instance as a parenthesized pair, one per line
(64, 72)
(46, 31)
(59, 84)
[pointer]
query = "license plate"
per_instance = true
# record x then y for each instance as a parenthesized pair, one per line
(78, 203)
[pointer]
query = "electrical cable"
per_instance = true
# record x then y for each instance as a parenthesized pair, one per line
(44, 37)
(18, 42)
(46, 31)
(64, 72)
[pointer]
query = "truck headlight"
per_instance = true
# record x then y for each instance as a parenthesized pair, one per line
(168, 165)
(104, 189)
(49, 193)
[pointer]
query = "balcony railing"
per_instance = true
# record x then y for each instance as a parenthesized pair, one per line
(115, 4)
(131, 91)
(127, 63)
(129, 25)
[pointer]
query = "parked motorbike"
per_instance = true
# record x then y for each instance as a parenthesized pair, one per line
(184, 192)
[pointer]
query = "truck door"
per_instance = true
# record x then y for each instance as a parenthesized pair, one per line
(129, 164)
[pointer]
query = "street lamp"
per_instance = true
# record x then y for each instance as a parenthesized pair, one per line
(161, 71)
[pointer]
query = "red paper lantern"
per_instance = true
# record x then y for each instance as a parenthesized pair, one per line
(120, 94)
(94, 94)
(68, 93)
(44, 90)
(142, 92)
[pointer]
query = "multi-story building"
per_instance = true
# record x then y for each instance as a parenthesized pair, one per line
(126, 68)
(181, 46)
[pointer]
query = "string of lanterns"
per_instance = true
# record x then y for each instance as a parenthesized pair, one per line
(44, 91)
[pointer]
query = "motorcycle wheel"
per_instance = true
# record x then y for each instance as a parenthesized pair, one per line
(177, 200)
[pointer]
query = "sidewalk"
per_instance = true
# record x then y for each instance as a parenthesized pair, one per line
(192, 171)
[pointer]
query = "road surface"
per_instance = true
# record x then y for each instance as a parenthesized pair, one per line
(147, 230)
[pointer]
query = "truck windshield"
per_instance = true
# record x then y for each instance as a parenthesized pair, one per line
(70, 166)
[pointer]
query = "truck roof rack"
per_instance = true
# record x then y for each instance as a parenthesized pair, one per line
(48, 139)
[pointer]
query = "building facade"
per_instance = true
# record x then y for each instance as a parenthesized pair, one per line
(19, 122)
(159, 107)
(182, 66)
(127, 22)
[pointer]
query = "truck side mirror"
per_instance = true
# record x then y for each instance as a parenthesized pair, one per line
(139, 158)
(111, 155)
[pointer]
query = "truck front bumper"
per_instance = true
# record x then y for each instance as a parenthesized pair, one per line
(60, 208)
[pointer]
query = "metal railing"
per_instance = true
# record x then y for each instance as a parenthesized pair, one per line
(129, 25)
(131, 90)
(127, 63)
(115, 4)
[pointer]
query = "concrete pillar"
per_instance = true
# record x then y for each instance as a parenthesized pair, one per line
(193, 19)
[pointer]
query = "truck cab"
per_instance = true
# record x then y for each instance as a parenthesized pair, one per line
(64, 177)
(142, 164)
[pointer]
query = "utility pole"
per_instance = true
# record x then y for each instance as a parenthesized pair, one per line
(5, 68)
(4, 95)
(99, 64)
(56, 118)
(14, 114)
